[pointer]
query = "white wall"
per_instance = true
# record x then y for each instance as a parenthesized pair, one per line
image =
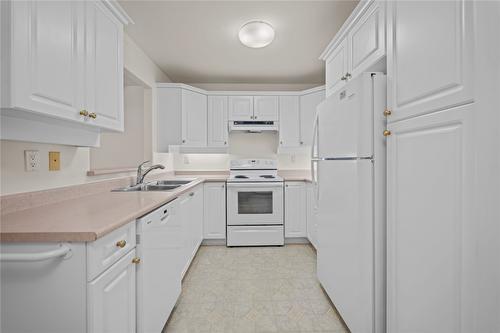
(75, 162)
(126, 149)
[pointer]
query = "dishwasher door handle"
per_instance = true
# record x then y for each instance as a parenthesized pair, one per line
(64, 250)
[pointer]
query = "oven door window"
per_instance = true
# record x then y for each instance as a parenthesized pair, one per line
(255, 202)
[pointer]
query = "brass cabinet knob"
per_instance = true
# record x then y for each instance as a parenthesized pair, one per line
(348, 75)
(136, 260)
(387, 112)
(343, 78)
(92, 115)
(121, 243)
(387, 133)
(84, 113)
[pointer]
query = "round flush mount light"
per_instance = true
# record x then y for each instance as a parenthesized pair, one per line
(256, 34)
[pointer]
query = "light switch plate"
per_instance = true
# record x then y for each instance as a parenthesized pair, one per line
(32, 160)
(54, 161)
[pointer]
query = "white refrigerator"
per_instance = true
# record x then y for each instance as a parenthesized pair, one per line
(348, 166)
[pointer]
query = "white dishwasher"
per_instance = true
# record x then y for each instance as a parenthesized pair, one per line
(159, 245)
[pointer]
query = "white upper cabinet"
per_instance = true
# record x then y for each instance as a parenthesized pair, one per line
(308, 104)
(336, 68)
(295, 209)
(46, 57)
(104, 67)
(429, 58)
(366, 39)
(62, 70)
(194, 118)
(289, 125)
(241, 108)
(265, 108)
(217, 121)
(358, 47)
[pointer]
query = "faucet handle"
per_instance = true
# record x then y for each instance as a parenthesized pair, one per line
(142, 164)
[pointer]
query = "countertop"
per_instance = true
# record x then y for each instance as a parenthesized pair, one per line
(89, 217)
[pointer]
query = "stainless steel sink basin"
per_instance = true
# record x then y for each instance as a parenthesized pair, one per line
(174, 182)
(159, 185)
(147, 188)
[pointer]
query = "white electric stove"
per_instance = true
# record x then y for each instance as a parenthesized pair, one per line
(254, 204)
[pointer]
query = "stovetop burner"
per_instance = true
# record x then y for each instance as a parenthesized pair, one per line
(267, 176)
(241, 177)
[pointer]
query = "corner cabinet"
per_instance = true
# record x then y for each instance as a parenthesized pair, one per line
(358, 47)
(62, 66)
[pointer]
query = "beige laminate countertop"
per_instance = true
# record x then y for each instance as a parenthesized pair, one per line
(87, 218)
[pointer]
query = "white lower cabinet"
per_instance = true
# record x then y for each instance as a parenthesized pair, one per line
(295, 209)
(312, 216)
(431, 228)
(191, 214)
(111, 298)
(214, 220)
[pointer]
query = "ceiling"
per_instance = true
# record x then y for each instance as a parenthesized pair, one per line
(197, 41)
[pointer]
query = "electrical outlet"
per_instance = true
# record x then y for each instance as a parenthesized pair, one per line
(186, 159)
(32, 160)
(292, 158)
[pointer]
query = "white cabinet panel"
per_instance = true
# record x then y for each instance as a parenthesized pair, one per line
(194, 118)
(367, 39)
(289, 125)
(336, 68)
(295, 209)
(241, 108)
(46, 57)
(308, 104)
(312, 216)
(217, 121)
(431, 229)
(111, 298)
(265, 108)
(214, 220)
(104, 67)
(429, 56)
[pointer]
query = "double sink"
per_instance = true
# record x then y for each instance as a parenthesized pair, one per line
(159, 185)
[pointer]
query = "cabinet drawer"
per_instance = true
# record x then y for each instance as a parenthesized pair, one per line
(105, 251)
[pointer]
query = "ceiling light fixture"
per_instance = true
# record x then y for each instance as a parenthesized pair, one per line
(256, 34)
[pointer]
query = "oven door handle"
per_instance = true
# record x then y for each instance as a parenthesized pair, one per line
(243, 185)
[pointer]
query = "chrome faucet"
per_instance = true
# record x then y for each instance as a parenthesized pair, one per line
(141, 174)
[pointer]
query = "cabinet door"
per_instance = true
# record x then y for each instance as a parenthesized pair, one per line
(312, 212)
(265, 108)
(197, 218)
(214, 220)
(111, 298)
(429, 65)
(217, 121)
(240, 108)
(367, 39)
(47, 57)
(336, 68)
(308, 104)
(295, 209)
(430, 224)
(185, 207)
(194, 118)
(104, 67)
(289, 121)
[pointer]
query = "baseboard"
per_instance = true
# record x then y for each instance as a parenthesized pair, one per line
(211, 242)
(297, 240)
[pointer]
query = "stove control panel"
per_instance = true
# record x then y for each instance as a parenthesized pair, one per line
(254, 164)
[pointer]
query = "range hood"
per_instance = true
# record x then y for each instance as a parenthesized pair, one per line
(253, 126)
